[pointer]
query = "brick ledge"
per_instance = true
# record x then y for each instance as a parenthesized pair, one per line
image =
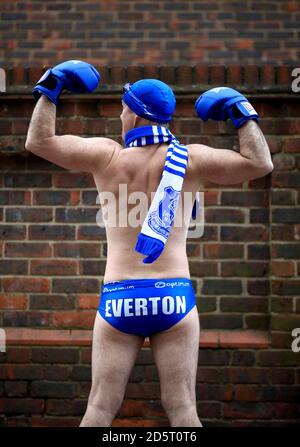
(75, 337)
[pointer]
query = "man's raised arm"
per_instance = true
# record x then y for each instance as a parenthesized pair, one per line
(223, 166)
(68, 151)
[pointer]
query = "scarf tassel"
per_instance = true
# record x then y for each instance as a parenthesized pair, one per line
(150, 246)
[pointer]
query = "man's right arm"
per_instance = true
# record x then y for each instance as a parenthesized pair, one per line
(227, 167)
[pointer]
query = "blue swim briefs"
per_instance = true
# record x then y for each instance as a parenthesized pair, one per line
(146, 306)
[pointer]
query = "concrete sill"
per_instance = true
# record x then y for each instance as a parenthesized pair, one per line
(74, 337)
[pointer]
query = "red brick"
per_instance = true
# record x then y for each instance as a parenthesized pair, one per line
(242, 269)
(251, 304)
(258, 286)
(65, 319)
(184, 109)
(76, 250)
(283, 375)
(217, 251)
(209, 410)
(286, 322)
(278, 358)
(184, 75)
(286, 287)
(53, 267)
(214, 392)
(243, 44)
(51, 301)
(71, 126)
(97, 127)
(69, 109)
(70, 180)
(243, 358)
(168, 74)
(18, 355)
(282, 340)
(151, 71)
(246, 375)
(51, 232)
(234, 75)
(201, 74)
(217, 75)
(244, 198)
(248, 410)
(19, 76)
(193, 250)
(22, 406)
(292, 6)
(284, 75)
(34, 74)
(244, 339)
(90, 233)
(26, 336)
(28, 214)
(23, 372)
(26, 284)
(52, 389)
(143, 390)
(62, 406)
(139, 422)
(12, 232)
(134, 73)
(211, 197)
(201, 268)
(44, 421)
(27, 249)
(110, 109)
(86, 355)
(88, 301)
(251, 74)
(13, 301)
(247, 393)
(15, 389)
(283, 233)
(282, 305)
(283, 268)
(57, 372)
(56, 197)
(285, 410)
(267, 74)
(244, 233)
(118, 74)
(209, 375)
(75, 285)
(291, 144)
(142, 408)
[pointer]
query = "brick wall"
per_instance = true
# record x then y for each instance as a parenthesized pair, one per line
(149, 32)
(245, 269)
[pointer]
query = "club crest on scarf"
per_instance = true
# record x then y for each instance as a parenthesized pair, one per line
(161, 220)
(158, 222)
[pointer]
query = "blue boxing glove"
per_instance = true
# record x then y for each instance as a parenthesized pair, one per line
(74, 76)
(221, 103)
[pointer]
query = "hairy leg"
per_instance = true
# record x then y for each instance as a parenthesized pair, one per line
(176, 356)
(113, 357)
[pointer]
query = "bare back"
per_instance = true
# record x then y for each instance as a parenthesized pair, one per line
(140, 169)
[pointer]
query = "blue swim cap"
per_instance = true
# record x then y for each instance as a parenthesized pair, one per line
(150, 99)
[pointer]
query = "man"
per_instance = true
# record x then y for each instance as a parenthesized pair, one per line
(152, 296)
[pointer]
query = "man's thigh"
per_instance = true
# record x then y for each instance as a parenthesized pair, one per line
(175, 353)
(113, 357)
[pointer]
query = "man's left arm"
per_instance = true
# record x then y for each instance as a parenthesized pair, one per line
(67, 151)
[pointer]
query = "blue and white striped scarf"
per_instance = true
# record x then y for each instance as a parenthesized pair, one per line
(158, 222)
